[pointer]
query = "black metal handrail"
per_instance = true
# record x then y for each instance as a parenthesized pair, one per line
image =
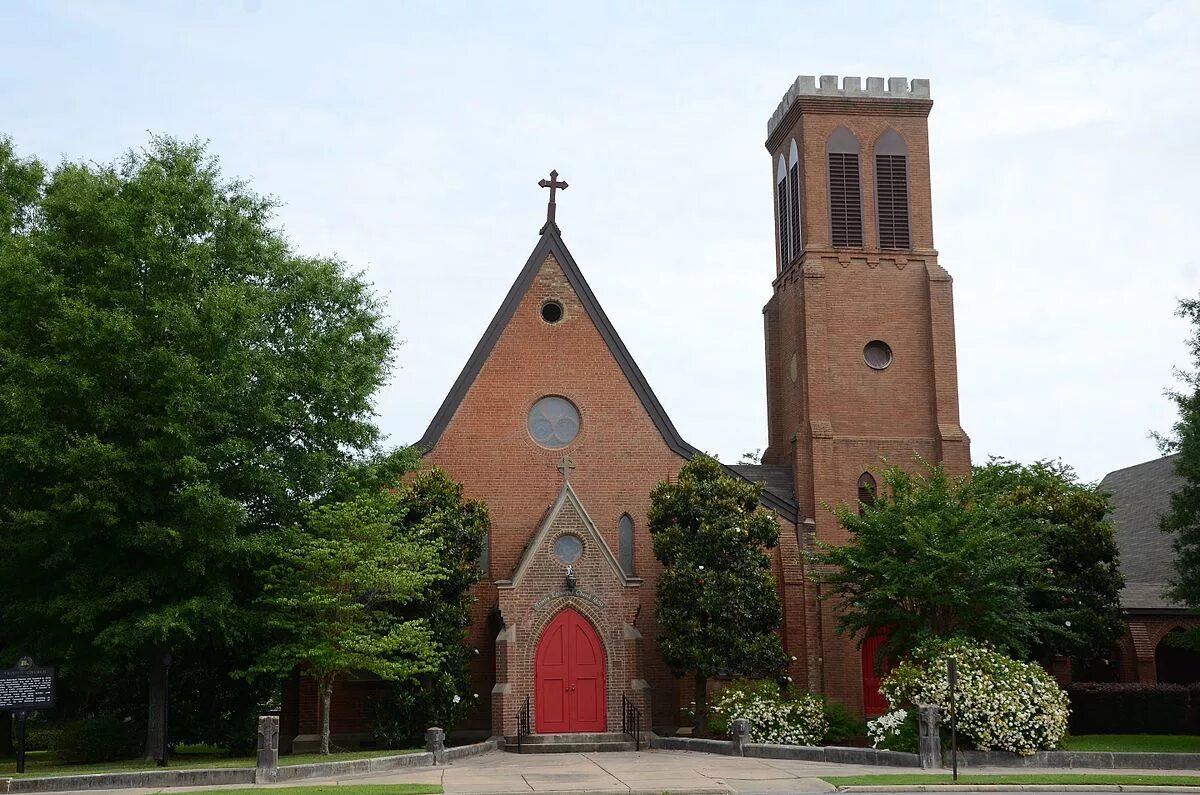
(631, 721)
(523, 723)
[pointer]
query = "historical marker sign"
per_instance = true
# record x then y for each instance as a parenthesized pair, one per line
(26, 688)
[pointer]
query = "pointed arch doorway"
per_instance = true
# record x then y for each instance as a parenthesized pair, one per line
(569, 689)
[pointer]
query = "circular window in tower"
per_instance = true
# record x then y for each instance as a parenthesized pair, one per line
(553, 422)
(568, 549)
(552, 312)
(877, 354)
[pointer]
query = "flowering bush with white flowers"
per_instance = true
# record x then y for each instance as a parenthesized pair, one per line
(887, 728)
(1002, 703)
(777, 716)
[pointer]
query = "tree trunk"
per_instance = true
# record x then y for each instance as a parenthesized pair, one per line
(7, 748)
(700, 725)
(156, 705)
(326, 698)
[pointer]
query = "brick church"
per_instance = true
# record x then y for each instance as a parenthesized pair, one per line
(553, 425)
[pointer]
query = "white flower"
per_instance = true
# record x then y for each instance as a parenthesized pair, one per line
(457, 698)
(701, 567)
(476, 695)
(1067, 623)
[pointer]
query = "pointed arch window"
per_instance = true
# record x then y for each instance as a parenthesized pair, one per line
(867, 491)
(845, 190)
(891, 191)
(625, 543)
(794, 198)
(781, 196)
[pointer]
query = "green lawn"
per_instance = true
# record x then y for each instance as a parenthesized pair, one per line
(1159, 743)
(341, 789)
(40, 763)
(1016, 778)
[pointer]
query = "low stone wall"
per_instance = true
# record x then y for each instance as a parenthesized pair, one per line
(1104, 760)
(1083, 759)
(802, 753)
(215, 777)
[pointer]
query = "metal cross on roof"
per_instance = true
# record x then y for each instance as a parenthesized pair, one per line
(565, 465)
(553, 184)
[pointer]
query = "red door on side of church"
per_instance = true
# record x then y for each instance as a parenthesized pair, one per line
(569, 694)
(873, 701)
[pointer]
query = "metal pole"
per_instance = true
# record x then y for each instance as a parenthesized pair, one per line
(21, 741)
(952, 671)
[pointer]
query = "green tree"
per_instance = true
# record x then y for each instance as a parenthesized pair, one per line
(332, 596)
(1046, 501)
(718, 608)
(432, 509)
(177, 381)
(929, 560)
(1182, 518)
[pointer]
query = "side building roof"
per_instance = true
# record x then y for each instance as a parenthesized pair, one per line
(551, 243)
(1141, 494)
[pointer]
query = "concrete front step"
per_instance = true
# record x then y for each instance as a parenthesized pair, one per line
(571, 743)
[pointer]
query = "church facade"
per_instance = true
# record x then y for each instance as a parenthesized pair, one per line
(552, 424)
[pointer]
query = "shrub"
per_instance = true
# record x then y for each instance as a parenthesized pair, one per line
(1111, 708)
(844, 725)
(1002, 703)
(102, 738)
(896, 731)
(399, 719)
(777, 716)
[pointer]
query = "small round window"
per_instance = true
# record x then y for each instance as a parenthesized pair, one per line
(553, 422)
(568, 549)
(552, 311)
(877, 354)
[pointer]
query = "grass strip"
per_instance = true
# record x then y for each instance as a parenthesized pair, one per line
(1135, 743)
(1014, 778)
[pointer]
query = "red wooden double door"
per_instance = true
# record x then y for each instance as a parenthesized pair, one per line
(569, 694)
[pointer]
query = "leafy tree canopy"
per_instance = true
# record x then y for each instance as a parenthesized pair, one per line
(177, 381)
(1019, 556)
(1082, 614)
(930, 560)
(1182, 519)
(718, 608)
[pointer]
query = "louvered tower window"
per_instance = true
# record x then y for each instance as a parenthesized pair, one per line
(794, 191)
(891, 191)
(781, 196)
(845, 190)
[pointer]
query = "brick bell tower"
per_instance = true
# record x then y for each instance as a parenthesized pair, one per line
(860, 329)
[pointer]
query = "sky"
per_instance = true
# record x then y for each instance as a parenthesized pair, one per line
(408, 139)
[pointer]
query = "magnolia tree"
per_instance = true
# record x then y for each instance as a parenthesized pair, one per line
(718, 610)
(1001, 704)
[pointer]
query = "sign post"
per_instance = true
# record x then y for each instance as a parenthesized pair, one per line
(952, 675)
(25, 687)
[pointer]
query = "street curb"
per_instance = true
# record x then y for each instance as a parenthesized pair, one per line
(1019, 788)
(219, 777)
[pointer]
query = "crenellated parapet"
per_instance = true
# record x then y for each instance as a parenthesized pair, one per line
(827, 86)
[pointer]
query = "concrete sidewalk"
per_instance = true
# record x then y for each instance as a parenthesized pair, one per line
(633, 772)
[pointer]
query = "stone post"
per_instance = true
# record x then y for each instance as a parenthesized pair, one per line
(435, 743)
(930, 737)
(741, 736)
(266, 770)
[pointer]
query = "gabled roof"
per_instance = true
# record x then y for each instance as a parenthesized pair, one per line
(1141, 494)
(551, 243)
(569, 500)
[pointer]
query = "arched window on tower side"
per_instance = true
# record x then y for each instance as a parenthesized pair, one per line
(781, 197)
(845, 190)
(891, 191)
(625, 544)
(794, 198)
(867, 491)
